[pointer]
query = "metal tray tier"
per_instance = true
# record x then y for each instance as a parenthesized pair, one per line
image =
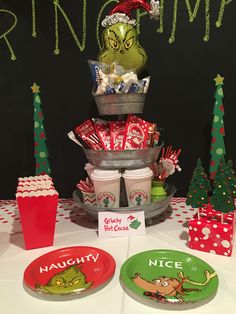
(112, 159)
(151, 210)
(119, 104)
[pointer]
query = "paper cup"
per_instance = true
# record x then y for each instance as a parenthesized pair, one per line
(138, 186)
(107, 187)
(89, 169)
(89, 198)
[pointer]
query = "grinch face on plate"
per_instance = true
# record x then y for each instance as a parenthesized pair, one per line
(120, 44)
(65, 282)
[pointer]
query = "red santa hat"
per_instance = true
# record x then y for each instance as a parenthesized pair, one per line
(122, 11)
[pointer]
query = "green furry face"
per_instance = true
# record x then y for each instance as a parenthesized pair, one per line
(120, 44)
(67, 281)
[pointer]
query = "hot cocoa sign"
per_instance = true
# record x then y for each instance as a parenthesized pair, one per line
(120, 224)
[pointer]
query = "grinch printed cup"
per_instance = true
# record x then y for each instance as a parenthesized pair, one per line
(107, 187)
(138, 186)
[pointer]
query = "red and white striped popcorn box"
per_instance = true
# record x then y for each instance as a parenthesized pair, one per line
(37, 202)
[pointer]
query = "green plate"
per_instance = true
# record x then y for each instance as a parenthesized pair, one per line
(168, 277)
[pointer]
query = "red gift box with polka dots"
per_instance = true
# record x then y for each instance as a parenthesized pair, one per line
(207, 233)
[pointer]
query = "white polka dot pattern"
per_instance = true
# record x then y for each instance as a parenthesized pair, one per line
(211, 234)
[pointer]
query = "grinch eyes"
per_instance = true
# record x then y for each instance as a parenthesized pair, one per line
(60, 283)
(114, 44)
(74, 282)
(129, 43)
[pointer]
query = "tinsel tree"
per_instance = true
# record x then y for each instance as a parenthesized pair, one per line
(222, 198)
(227, 171)
(218, 131)
(231, 177)
(199, 186)
(41, 152)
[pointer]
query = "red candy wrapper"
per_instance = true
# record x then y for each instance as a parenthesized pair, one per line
(86, 131)
(151, 132)
(117, 129)
(102, 128)
(156, 139)
(136, 133)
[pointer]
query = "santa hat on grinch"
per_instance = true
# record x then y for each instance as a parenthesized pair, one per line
(122, 11)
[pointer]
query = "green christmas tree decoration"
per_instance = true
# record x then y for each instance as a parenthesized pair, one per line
(218, 131)
(199, 186)
(41, 152)
(222, 198)
(231, 177)
(221, 170)
(226, 172)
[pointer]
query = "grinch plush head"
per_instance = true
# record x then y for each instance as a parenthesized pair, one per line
(120, 42)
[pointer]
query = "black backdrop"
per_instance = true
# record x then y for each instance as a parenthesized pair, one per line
(180, 98)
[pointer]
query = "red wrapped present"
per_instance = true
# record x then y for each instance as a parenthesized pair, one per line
(210, 212)
(208, 233)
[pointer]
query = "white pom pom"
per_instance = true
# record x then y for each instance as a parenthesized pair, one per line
(155, 9)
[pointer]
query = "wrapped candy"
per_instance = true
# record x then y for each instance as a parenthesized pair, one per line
(117, 129)
(102, 128)
(87, 133)
(133, 133)
(144, 85)
(112, 79)
(97, 69)
(136, 133)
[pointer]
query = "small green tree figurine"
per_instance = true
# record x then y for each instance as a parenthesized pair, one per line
(197, 195)
(221, 170)
(41, 152)
(231, 177)
(222, 199)
(227, 172)
(218, 131)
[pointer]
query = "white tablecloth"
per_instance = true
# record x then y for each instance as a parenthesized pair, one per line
(74, 228)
